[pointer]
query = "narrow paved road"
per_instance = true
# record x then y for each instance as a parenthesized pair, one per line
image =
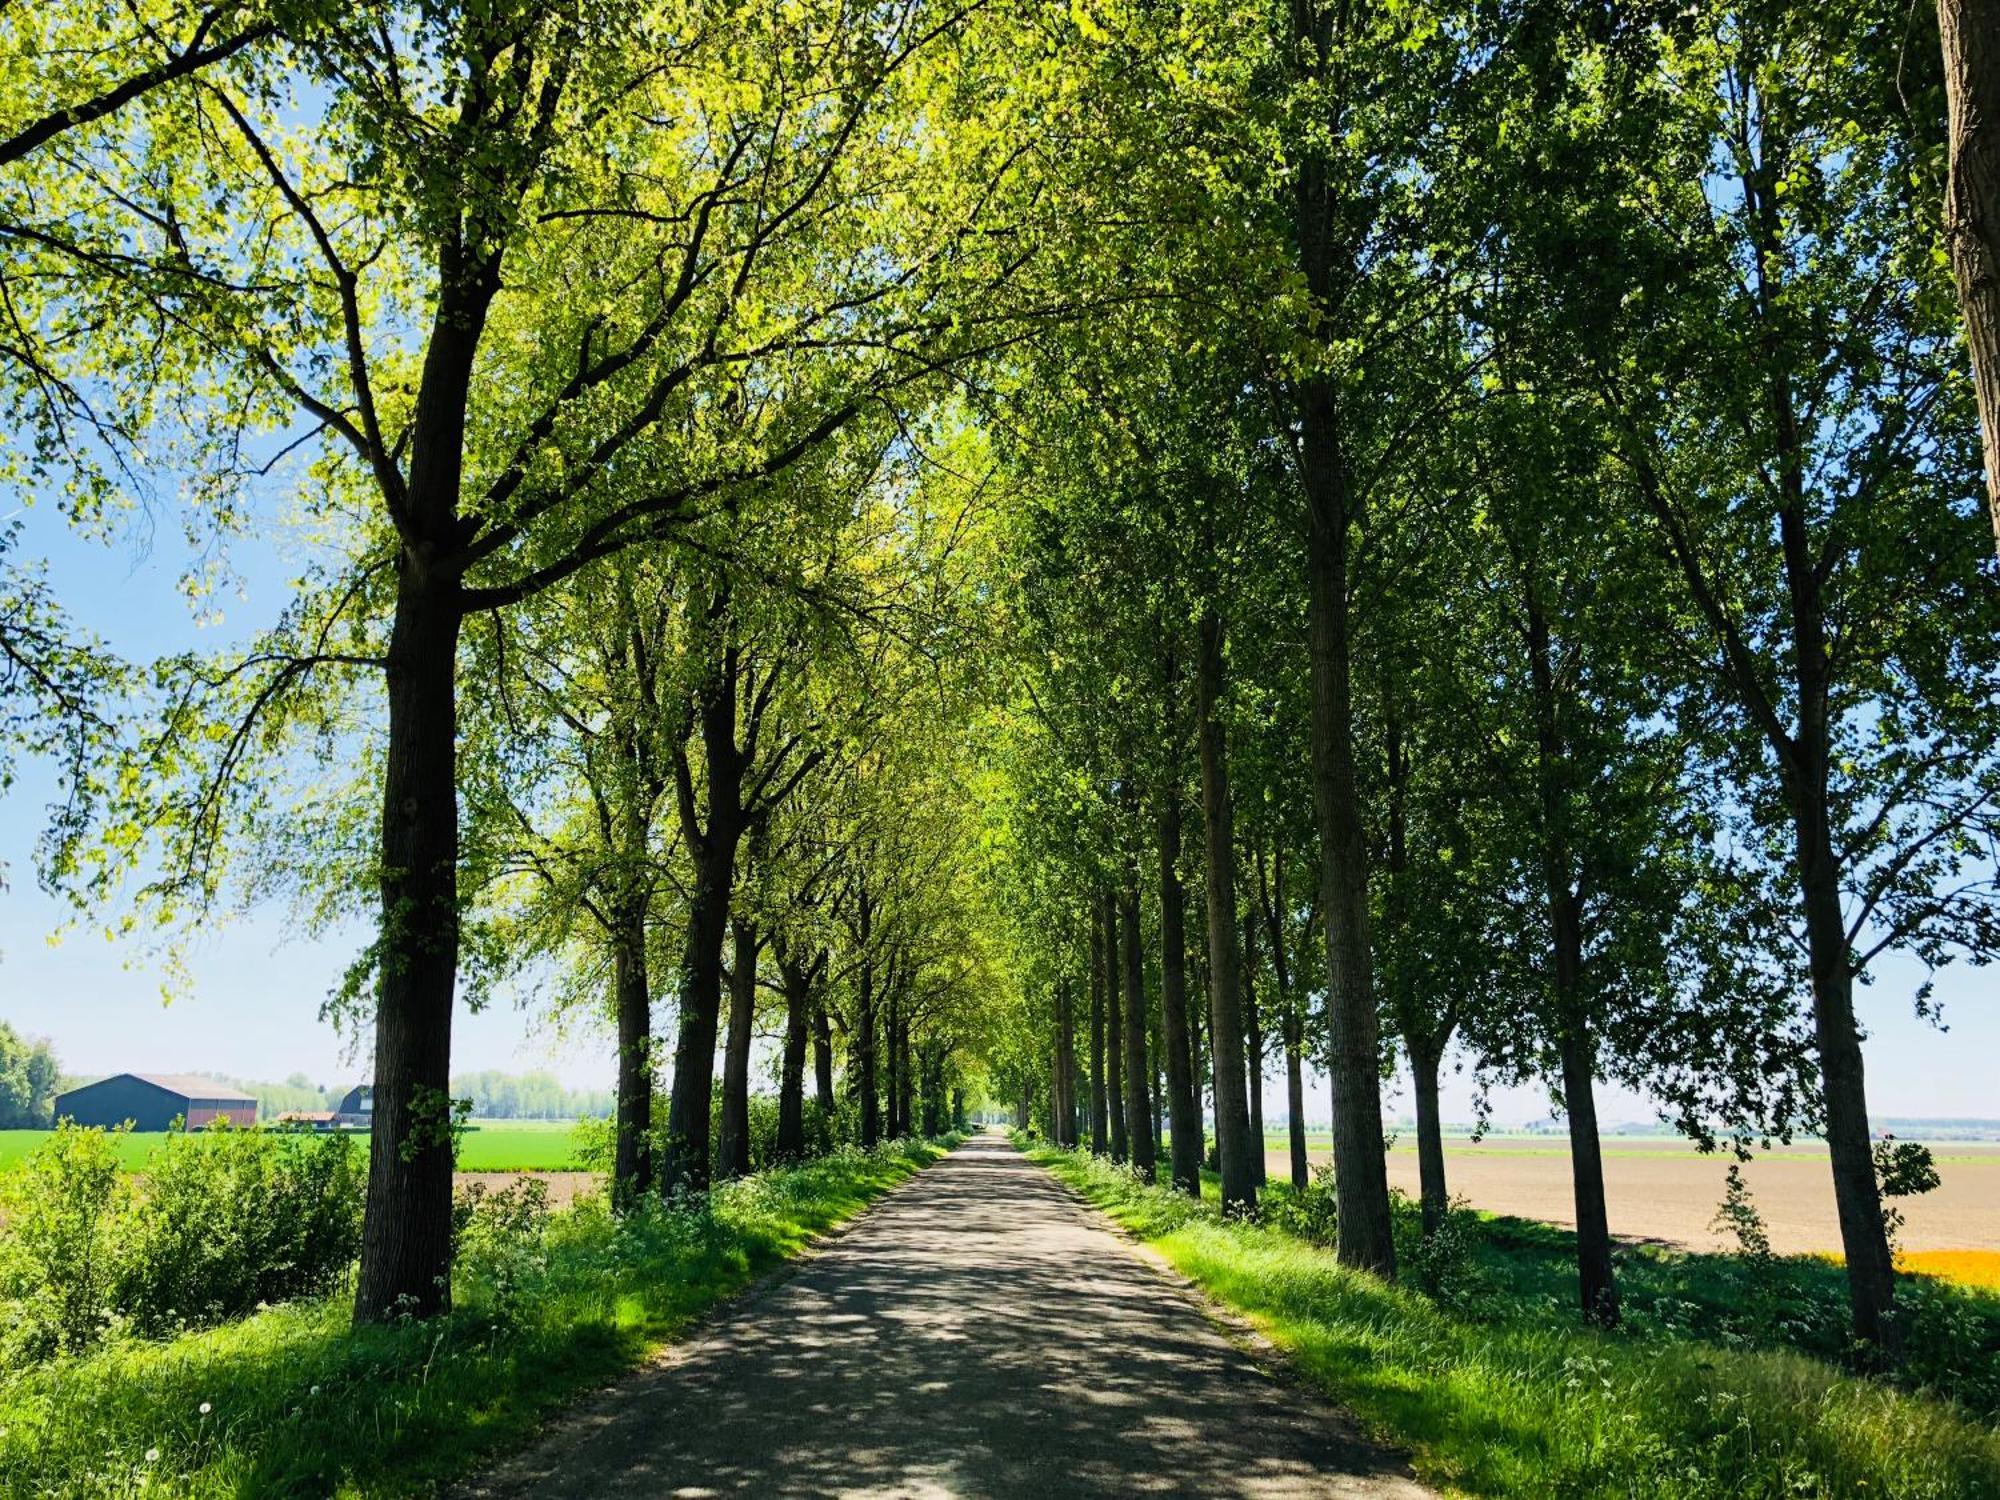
(977, 1334)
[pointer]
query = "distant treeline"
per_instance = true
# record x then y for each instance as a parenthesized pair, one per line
(494, 1096)
(29, 1080)
(529, 1096)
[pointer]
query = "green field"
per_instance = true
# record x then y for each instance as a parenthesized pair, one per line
(489, 1146)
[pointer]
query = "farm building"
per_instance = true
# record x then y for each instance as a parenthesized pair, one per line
(356, 1110)
(153, 1101)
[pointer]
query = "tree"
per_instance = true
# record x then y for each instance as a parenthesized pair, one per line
(535, 327)
(28, 1079)
(1793, 429)
(1970, 33)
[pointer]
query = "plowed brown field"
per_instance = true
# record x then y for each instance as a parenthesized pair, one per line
(1662, 1190)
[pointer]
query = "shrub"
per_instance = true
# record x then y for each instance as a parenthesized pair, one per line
(231, 1218)
(58, 1260)
(1440, 1264)
(1311, 1213)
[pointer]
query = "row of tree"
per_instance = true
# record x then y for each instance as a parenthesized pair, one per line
(586, 351)
(1516, 562)
(1485, 498)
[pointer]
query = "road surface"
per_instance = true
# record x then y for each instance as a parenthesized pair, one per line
(978, 1333)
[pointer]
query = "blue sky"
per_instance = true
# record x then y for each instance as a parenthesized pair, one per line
(253, 1006)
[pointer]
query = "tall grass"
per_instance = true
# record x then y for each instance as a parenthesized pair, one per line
(294, 1402)
(1526, 1401)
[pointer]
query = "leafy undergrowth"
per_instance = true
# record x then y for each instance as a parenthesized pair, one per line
(1513, 1396)
(294, 1402)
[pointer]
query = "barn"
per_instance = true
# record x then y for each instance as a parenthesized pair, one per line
(153, 1101)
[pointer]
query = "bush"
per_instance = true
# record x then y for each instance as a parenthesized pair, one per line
(1440, 1264)
(58, 1260)
(1311, 1213)
(231, 1218)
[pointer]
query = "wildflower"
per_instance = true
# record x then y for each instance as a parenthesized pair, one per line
(206, 1408)
(152, 1455)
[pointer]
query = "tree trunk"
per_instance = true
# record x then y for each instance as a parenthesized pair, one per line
(1253, 1032)
(1595, 1284)
(1066, 1058)
(1183, 1113)
(406, 1238)
(1295, 1096)
(893, 1028)
(1361, 1177)
(1596, 1287)
(864, 1031)
(1970, 30)
(1871, 1274)
(734, 1152)
(632, 1156)
(823, 1061)
(1138, 1104)
(1114, 1030)
(1430, 1137)
(1225, 1020)
(797, 980)
(686, 1162)
(1100, 1140)
(1159, 1089)
(905, 1079)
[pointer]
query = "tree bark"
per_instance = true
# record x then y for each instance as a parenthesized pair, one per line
(823, 1061)
(406, 1232)
(1361, 1179)
(864, 1028)
(1253, 1031)
(1596, 1287)
(1100, 1140)
(1066, 1058)
(893, 1029)
(1430, 1137)
(1225, 967)
(1325, 262)
(632, 1155)
(734, 1147)
(406, 1235)
(1295, 1096)
(1138, 1072)
(797, 979)
(686, 1162)
(1970, 31)
(1114, 1030)
(899, 1029)
(1871, 1271)
(1183, 1113)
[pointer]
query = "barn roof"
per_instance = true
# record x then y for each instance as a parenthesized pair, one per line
(189, 1086)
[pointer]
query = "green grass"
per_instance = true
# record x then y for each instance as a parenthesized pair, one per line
(489, 1146)
(294, 1402)
(1518, 1398)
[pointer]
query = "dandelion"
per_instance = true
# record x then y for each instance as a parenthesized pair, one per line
(152, 1455)
(315, 1391)
(206, 1408)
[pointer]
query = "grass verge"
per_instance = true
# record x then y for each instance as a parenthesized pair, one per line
(295, 1402)
(1527, 1402)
